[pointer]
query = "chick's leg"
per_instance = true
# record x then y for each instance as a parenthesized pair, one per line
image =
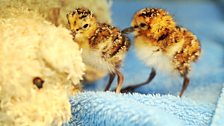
(111, 78)
(185, 85)
(133, 87)
(120, 79)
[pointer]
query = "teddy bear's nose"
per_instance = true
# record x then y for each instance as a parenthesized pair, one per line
(38, 82)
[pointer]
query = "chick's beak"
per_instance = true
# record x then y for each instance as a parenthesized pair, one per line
(128, 30)
(67, 16)
(73, 33)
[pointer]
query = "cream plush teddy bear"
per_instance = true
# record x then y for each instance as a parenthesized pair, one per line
(40, 64)
(40, 67)
(55, 12)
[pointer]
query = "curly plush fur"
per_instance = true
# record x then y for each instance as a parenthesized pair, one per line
(31, 47)
(55, 11)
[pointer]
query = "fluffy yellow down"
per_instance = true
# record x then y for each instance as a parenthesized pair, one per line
(31, 47)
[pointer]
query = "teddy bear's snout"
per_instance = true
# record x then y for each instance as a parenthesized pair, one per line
(38, 82)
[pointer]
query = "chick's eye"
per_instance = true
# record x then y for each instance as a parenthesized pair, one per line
(85, 25)
(142, 24)
(38, 82)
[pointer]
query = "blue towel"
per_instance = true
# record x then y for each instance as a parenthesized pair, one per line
(157, 104)
(110, 109)
(218, 119)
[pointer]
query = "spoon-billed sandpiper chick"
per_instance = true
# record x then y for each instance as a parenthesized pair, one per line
(103, 46)
(163, 45)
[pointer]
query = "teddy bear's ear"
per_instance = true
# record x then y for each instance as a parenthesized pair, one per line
(61, 53)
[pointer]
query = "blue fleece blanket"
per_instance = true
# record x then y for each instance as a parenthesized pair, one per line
(110, 109)
(157, 104)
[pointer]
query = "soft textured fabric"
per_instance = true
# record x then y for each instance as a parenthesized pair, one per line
(157, 103)
(218, 119)
(110, 109)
